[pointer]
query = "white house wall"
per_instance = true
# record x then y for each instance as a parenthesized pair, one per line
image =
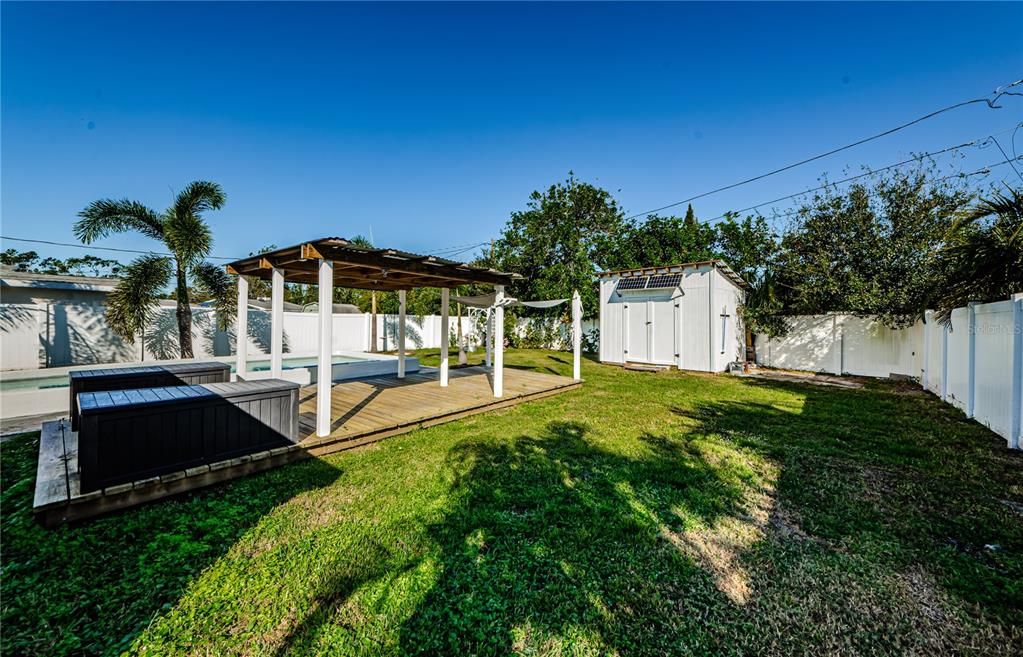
(20, 328)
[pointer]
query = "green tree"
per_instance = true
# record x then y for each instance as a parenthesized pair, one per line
(690, 219)
(563, 237)
(183, 231)
(748, 245)
(87, 265)
(664, 241)
(984, 254)
(20, 260)
(750, 248)
(874, 249)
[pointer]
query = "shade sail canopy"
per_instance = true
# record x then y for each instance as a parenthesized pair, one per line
(489, 300)
(366, 268)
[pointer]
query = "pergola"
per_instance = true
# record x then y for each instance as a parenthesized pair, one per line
(335, 261)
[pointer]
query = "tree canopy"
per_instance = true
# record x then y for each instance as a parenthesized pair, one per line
(559, 242)
(87, 265)
(874, 249)
(888, 247)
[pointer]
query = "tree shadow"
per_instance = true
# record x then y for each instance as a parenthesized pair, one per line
(142, 559)
(162, 343)
(75, 334)
(553, 540)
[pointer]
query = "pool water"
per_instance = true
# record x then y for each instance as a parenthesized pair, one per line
(45, 382)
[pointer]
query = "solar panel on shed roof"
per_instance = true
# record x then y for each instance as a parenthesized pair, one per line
(664, 280)
(632, 283)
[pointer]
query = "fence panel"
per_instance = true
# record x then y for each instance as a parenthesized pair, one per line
(934, 353)
(958, 367)
(975, 363)
(993, 392)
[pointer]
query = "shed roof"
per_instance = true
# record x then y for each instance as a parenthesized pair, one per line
(666, 269)
(366, 268)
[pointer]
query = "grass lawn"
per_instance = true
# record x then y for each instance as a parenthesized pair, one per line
(670, 513)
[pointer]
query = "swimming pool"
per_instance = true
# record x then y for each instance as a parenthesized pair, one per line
(41, 392)
(61, 381)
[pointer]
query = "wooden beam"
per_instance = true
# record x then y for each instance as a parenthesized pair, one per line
(309, 251)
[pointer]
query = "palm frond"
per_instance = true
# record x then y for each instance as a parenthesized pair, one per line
(213, 282)
(361, 240)
(198, 197)
(135, 301)
(986, 256)
(107, 216)
(188, 237)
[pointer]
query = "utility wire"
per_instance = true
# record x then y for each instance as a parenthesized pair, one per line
(100, 248)
(1007, 157)
(990, 102)
(91, 247)
(983, 170)
(976, 142)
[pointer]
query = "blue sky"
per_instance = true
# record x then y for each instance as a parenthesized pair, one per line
(429, 124)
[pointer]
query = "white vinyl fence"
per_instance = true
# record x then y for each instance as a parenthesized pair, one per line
(975, 363)
(34, 336)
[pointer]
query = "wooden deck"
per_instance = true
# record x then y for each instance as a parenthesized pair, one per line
(363, 411)
(370, 409)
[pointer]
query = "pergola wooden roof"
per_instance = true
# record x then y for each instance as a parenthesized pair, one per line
(366, 268)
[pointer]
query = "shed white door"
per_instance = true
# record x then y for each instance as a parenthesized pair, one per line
(637, 332)
(663, 332)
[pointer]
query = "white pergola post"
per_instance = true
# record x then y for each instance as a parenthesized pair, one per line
(401, 334)
(445, 297)
(486, 329)
(325, 364)
(277, 323)
(241, 340)
(577, 335)
(499, 341)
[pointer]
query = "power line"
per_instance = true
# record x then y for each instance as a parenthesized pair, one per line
(918, 158)
(990, 102)
(1007, 157)
(457, 249)
(99, 248)
(983, 170)
(462, 248)
(474, 246)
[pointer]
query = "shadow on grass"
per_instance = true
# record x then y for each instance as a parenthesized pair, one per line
(102, 582)
(549, 539)
(549, 542)
(553, 542)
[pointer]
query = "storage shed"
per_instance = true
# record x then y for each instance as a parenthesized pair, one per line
(683, 315)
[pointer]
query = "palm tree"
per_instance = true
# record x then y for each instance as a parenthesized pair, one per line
(184, 233)
(985, 253)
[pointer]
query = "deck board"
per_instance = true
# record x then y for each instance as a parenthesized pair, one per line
(385, 405)
(362, 411)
